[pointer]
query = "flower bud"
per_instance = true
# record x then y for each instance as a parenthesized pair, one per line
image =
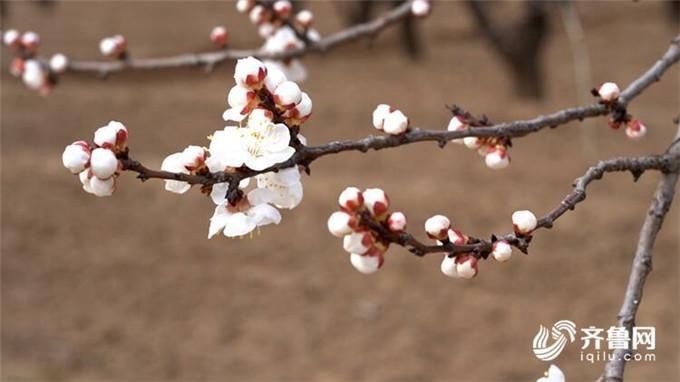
(396, 222)
(85, 177)
(257, 14)
(102, 187)
(266, 30)
(635, 130)
(524, 221)
(58, 63)
(376, 201)
(501, 250)
(16, 68)
(103, 163)
(250, 73)
(113, 135)
(219, 36)
(609, 91)
(497, 158)
(420, 8)
(395, 123)
(351, 199)
(193, 157)
(274, 78)
(456, 237)
(448, 266)
(287, 94)
(30, 41)
(76, 156)
(379, 114)
(456, 124)
(358, 242)
(466, 266)
(303, 109)
(243, 6)
(341, 223)
(107, 46)
(437, 227)
(304, 18)
(366, 264)
(283, 8)
(11, 38)
(473, 143)
(34, 76)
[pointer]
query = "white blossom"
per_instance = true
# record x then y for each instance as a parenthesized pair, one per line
(466, 266)
(366, 264)
(287, 94)
(102, 187)
(285, 186)
(449, 267)
(395, 123)
(456, 124)
(103, 163)
(76, 156)
(609, 91)
(34, 76)
(358, 242)
(497, 158)
(58, 63)
(379, 114)
(340, 224)
(275, 76)
(501, 250)
(524, 221)
(250, 73)
(249, 213)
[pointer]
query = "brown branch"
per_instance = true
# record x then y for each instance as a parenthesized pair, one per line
(642, 263)
(211, 59)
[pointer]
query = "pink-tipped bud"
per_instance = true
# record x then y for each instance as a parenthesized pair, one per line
(449, 267)
(341, 223)
(30, 41)
(113, 136)
(437, 227)
(250, 73)
(456, 237)
(466, 266)
(302, 110)
(358, 242)
(58, 63)
(501, 250)
(366, 264)
(11, 38)
(193, 157)
(524, 221)
(420, 8)
(305, 18)
(635, 130)
(395, 123)
(497, 158)
(283, 8)
(379, 114)
(219, 36)
(396, 222)
(376, 201)
(609, 91)
(287, 94)
(351, 199)
(76, 156)
(103, 163)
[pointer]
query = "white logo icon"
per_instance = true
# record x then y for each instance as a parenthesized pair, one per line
(562, 331)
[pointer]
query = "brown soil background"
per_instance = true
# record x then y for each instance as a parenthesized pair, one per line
(129, 288)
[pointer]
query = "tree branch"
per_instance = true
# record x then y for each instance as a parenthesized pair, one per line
(211, 59)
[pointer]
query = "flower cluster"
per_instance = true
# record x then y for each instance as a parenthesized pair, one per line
(283, 30)
(493, 149)
(365, 246)
(390, 120)
(34, 73)
(97, 165)
(113, 47)
(609, 93)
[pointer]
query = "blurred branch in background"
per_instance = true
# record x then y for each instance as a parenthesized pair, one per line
(519, 45)
(583, 78)
(642, 262)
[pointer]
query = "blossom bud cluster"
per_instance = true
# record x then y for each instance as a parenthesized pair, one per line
(493, 149)
(364, 245)
(390, 120)
(113, 47)
(609, 93)
(97, 165)
(283, 30)
(34, 73)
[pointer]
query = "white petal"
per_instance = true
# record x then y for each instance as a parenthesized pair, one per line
(264, 214)
(219, 192)
(239, 224)
(218, 220)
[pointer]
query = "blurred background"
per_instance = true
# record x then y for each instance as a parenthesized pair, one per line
(130, 288)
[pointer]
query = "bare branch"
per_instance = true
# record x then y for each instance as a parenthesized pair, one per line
(211, 59)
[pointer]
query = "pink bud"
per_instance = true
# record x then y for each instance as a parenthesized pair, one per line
(466, 266)
(396, 222)
(395, 123)
(524, 221)
(341, 223)
(250, 73)
(219, 36)
(287, 94)
(11, 38)
(103, 163)
(437, 227)
(609, 91)
(358, 242)
(283, 8)
(76, 156)
(420, 8)
(497, 158)
(501, 250)
(379, 114)
(351, 199)
(304, 18)
(449, 267)
(366, 264)
(376, 201)
(635, 130)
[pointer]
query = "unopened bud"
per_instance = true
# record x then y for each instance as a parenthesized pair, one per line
(437, 227)
(524, 221)
(376, 201)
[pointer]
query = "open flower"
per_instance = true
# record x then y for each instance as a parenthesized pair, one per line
(285, 186)
(249, 213)
(184, 162)
(257, 147)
